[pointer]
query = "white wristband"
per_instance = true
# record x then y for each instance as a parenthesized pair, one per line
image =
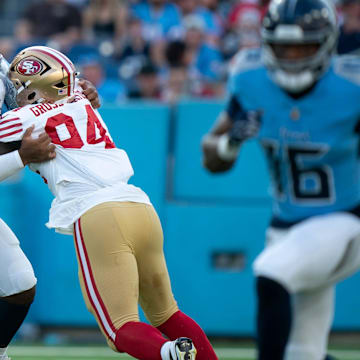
(9, 164)
(226, 151)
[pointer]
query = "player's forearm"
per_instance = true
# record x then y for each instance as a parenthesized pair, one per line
(219, 155)
(9, 164)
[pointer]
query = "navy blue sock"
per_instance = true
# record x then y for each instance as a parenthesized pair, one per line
(11, 317)
(273, 319)
(329, 357)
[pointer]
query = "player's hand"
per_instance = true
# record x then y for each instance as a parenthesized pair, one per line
(90, 92)
(245, 128)
(36, 150)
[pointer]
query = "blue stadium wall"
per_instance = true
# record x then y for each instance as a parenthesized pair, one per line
(214, 224)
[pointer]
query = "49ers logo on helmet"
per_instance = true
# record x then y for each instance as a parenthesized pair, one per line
(29, 67)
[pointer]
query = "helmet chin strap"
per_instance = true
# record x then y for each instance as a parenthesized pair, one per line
(294, 83)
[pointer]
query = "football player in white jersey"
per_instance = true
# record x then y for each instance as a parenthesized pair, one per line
(17, 279)
(118, 236)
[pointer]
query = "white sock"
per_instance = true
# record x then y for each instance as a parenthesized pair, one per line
(166, 349)
(2, 352)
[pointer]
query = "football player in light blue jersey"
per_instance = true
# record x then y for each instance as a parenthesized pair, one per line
(302, 104)
(17, 279)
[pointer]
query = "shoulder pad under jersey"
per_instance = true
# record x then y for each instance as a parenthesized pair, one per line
(10, 91)
(348, 67)
(246, 59)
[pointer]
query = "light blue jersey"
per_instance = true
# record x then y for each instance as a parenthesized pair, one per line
(311, 143)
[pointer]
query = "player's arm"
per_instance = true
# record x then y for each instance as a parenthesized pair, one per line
(212, 160)
(222, 144)
(15, 155)
(10, 163)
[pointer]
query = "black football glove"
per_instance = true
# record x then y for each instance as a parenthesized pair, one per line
(245, 128)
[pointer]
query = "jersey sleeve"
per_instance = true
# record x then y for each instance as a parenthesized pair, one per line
(244, 61)
(234, 109)
(13, 125)
(348, 67)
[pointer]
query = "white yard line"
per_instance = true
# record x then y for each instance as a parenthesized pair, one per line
(94, 352)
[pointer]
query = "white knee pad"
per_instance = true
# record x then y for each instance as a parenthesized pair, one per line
(16, 272)
(22, 277)
(267, 266)
(307, 256)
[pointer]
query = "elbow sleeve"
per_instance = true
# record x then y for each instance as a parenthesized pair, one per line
(9, 164)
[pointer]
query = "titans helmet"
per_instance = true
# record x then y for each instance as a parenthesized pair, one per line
(303, 23)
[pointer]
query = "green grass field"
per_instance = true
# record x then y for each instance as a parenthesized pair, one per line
(103, 353)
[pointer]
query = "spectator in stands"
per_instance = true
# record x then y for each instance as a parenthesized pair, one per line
(158, 17)
(206, 9)
(147, 84)
(132, 51)
(206, 61)
(177, 85)
(109, 89)
(177, 55)
(79, 3)
(245, 21)
(7, 47)
(216, 22)
(177, 81)
(181, 79)
(104, 19)
(244, 27)
(50, 20)
(349, 39)
(248, 28)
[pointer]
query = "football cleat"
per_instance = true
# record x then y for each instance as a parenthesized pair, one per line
(329, 357)
(184, 349)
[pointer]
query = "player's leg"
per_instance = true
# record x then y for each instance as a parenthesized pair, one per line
(156, 297)
(274, 315)
(305, 258)
(17, 286)
(274, 318)
(313, 315)
(109, 279)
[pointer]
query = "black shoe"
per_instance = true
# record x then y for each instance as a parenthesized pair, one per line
(329, 357)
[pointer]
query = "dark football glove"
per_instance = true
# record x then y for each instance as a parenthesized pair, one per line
(245, 128)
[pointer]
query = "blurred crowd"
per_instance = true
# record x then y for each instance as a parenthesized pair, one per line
(154, 49)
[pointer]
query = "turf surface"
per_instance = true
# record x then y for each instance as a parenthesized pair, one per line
(103, 353)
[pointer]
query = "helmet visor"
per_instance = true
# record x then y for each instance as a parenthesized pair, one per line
(294, 52)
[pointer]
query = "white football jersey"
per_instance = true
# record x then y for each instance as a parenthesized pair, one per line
(88, 168)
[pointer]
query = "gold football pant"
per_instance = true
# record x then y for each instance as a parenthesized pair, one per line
(121, 263)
